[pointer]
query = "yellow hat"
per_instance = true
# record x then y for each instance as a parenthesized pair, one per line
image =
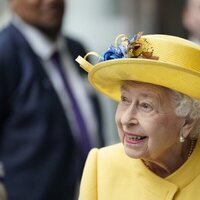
(163, 60)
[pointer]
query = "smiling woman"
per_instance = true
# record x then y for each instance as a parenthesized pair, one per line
(147, 123)
(156, 80)
(150, 128)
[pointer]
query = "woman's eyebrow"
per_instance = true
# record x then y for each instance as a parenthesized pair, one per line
(149, 94)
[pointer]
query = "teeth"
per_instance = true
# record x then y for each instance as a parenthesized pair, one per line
(135, 137)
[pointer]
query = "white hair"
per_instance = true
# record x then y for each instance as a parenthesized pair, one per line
(189, 108)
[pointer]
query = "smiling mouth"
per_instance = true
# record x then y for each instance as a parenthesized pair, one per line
(135, 137)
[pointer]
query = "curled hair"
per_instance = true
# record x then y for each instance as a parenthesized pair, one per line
(189, 108)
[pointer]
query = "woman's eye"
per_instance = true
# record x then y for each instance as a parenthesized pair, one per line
(146, 107)
(124, 99)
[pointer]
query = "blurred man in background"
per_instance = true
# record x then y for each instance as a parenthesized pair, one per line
(44, 105)
(191, 19)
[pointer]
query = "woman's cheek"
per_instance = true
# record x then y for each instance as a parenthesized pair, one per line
(119, 126)
(121, 135)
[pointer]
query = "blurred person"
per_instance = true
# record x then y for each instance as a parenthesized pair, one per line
(44, 104)
(156, 81)
(191, 19)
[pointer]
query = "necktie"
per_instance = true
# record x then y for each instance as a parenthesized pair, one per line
(84, 137)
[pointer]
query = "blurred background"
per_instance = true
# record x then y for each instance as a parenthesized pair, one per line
(97, 23)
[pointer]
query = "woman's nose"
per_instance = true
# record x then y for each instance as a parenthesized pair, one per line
(129, 117)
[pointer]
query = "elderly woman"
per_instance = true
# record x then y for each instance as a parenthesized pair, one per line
(156, 79)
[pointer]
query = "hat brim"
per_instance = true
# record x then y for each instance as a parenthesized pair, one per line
(108, 76)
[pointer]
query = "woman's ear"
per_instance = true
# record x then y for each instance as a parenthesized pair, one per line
(187, 126)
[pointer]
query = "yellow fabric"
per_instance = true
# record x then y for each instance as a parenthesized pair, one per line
(177, 67)
(111, 175)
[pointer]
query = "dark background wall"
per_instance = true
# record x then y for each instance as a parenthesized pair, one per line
(169, 17)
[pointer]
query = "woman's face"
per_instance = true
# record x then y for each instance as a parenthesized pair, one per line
(146, 121)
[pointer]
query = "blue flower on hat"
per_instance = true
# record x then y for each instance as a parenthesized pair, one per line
(113, 53)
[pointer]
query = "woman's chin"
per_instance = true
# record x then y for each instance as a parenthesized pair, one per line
(135, 149)
(132, 153)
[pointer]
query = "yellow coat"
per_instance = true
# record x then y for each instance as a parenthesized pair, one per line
(111, 175)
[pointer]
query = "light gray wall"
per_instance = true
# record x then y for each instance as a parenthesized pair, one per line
(4, 13)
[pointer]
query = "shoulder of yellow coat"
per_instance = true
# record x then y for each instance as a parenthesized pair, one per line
(110, 156)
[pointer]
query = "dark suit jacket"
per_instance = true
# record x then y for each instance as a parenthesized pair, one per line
(36, 143)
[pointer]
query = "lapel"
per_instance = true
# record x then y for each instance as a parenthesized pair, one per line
(31, 69)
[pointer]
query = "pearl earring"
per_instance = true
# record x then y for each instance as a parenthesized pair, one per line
(181, 139)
